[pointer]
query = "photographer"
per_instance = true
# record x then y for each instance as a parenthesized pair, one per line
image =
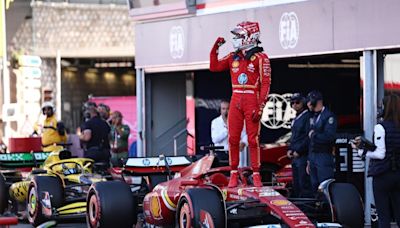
(384, 166)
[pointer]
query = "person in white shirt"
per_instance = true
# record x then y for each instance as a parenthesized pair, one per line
(219, 131)
(384, 163)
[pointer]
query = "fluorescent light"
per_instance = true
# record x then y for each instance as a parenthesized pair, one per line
(323, 65)
(350, 60)
(113, 64)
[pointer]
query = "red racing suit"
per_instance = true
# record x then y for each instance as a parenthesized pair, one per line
(251, 79)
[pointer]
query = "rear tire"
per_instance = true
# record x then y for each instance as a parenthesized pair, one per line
(38, 185)
(3, 194)
(111, 204)
(348, 206)
(203, 205)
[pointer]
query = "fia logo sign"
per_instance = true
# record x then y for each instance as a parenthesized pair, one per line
(176, 42)
(277, 112)
(289, 30)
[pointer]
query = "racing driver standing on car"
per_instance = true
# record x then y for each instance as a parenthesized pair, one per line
(251, 78)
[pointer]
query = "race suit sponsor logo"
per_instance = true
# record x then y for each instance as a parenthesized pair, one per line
(235, 63)
(242, 79)
(250, 67)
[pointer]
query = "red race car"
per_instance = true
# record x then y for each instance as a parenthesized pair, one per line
(197, 195)
(273, 158)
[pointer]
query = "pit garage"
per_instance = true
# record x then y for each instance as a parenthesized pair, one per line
(343, 54)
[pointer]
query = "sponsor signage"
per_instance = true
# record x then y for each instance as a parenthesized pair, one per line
(23, 156)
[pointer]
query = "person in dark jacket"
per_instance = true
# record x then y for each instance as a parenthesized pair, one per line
(94, 135)
(322, 138)
(384, 165)
(298, 148)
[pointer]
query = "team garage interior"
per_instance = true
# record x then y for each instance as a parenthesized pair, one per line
(336, 76)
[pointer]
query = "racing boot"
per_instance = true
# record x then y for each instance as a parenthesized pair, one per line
(233, 181)
(257, 179)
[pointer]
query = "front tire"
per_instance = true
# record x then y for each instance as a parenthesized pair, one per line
(347, 204)
(37, 187)
(199, 206)
(111, 204)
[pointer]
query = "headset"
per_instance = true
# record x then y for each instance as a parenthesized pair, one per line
(313, 97)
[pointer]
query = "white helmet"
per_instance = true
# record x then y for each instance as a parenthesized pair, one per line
(246, 35)
(48, 104)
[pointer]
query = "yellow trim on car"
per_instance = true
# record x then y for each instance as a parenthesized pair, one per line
(73, 208)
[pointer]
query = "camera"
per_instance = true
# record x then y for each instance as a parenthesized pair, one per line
(361, 142)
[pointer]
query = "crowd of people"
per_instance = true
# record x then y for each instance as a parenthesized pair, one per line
(102, 135)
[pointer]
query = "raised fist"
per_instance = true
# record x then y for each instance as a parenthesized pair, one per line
(219, 42)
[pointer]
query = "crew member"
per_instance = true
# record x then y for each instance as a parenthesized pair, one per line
(298, 147)
(219, 132)
(251, 78)
(322, 138)
(384, 165)
(51, 131)
(95, 134)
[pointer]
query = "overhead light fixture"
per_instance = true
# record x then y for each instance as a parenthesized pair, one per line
(65, 63)
(323, 65)
(113, 64)
(350, 60)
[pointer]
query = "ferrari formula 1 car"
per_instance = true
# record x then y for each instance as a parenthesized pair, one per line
(199, 196)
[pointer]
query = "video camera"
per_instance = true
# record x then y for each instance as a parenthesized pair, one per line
(361, 143)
